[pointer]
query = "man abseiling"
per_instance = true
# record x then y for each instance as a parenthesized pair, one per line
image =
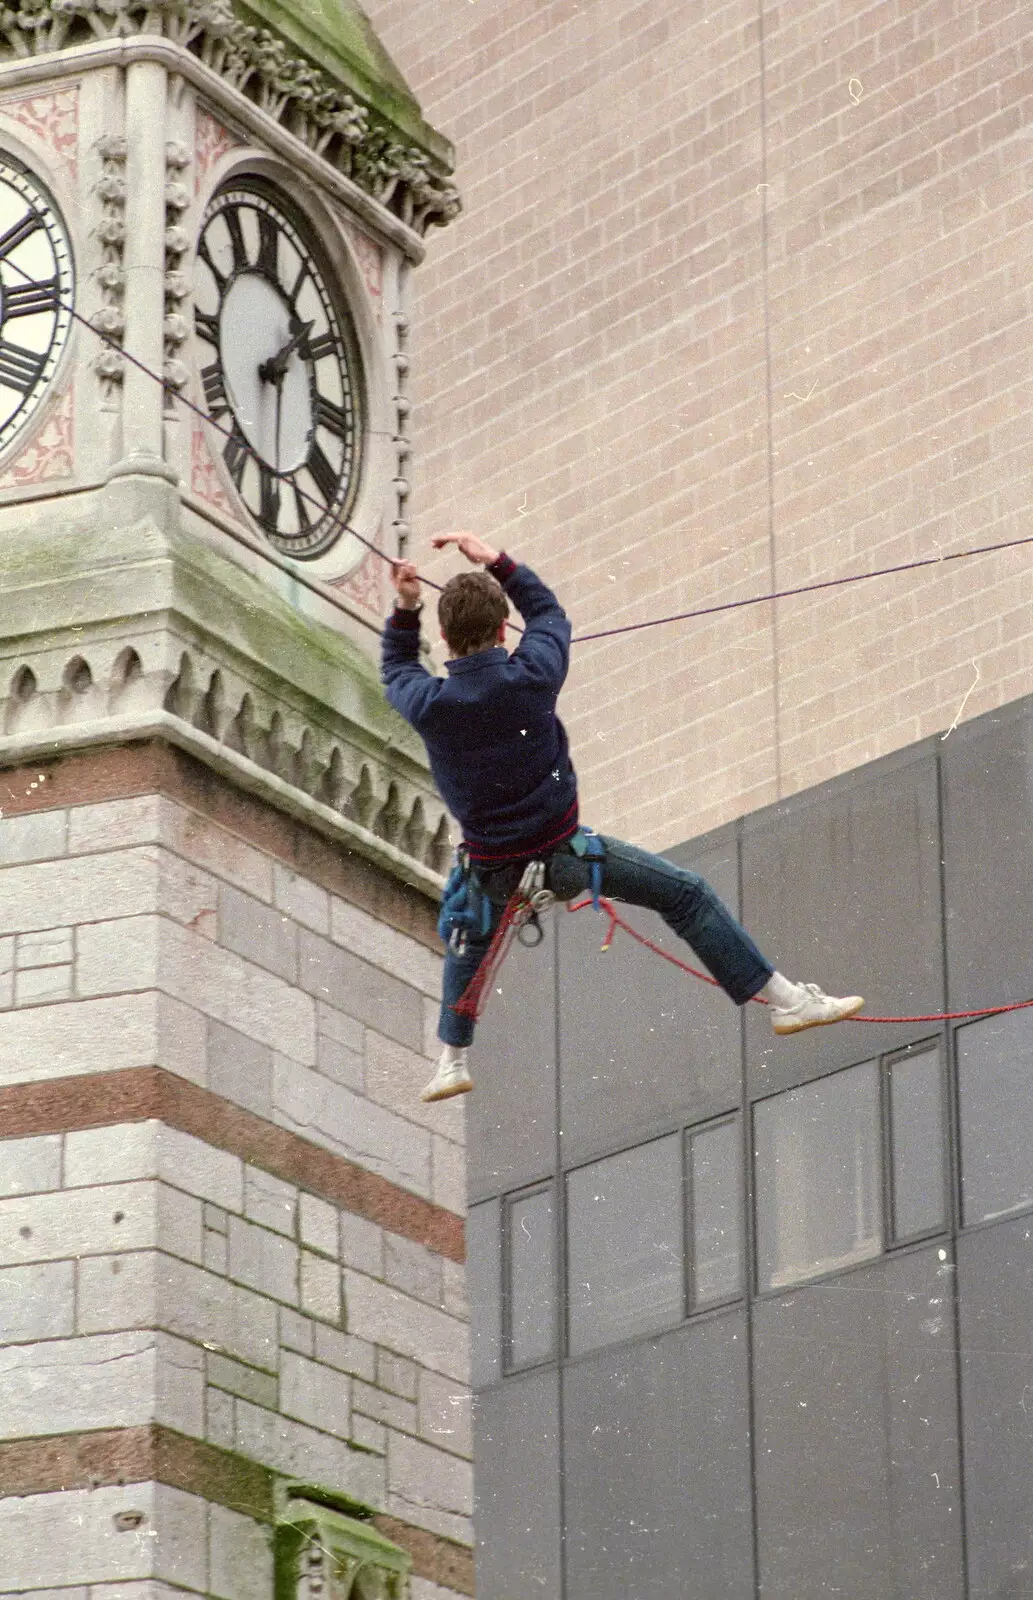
(499, 756)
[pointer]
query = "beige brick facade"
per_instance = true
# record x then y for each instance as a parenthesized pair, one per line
(740, 300)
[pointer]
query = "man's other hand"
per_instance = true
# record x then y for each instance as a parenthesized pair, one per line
(473, 549)
(406, 580)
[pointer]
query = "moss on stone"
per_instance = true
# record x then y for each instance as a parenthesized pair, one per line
(338, 36)
(323, 664)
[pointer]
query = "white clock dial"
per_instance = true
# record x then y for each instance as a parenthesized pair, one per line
(37, 284)
(284, 379)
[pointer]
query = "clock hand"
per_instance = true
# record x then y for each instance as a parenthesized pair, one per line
(279, 408)
(275, 369)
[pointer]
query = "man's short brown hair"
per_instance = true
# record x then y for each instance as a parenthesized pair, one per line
(471, 608)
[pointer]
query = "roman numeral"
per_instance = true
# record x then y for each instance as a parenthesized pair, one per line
(326, 476)
(304, 518)
(207, 326)
(316, 349)
(237, 245)
(30, 224)
(19, 368)
(206, 256)
(27, 299)
(269, 496)
(299, 283)
(268, 244)
(215, 390)
(236, 456)
(333, 417)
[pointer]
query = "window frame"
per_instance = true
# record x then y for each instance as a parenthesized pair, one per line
(693, 1306)
(894, 1240)
(1023, 1208)
(530, 1191)
(761, 1291)
(568, 1354)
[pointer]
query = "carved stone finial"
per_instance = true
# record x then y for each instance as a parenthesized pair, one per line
(304, 95)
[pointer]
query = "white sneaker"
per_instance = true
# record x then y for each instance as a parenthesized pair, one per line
(452, 1076)
(813, 1009)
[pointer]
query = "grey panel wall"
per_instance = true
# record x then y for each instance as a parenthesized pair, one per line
(988, 857)
(511, 1138)
(645, 1042)
(517, 1488)
(841, 887)
(656, 1468)
(484, 1268)
(858, 1488)
(852, 1484)
(995, 1270)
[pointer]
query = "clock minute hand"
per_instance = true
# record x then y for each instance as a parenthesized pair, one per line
(274, 370)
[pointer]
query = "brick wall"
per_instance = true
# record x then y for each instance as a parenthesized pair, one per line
(231, 1241)
(734, 307)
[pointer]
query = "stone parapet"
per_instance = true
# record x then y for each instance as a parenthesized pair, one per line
(332, 87)
(135, 631)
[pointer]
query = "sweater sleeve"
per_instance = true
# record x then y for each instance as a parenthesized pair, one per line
(543, 654)
(409, 687)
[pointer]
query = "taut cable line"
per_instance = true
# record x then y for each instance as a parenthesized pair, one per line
(696, 613)
(191, 405)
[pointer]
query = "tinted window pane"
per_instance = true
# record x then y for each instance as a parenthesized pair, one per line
(531, 1279)
(995, 1087)
(818, 1192)
(714, 1180)
(624, 1222)
(916, 1137)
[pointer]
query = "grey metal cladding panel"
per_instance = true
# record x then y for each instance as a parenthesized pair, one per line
(484, 1284)
(511, 1116)
(858, 1476)
(656, 1468)
(642, 1043)
(841, 887)
(517, 1489)
(988, 846)
(995, 1271)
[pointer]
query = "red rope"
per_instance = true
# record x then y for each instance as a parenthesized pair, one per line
(474, 997)
(931, 1016)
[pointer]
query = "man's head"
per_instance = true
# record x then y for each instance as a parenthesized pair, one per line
(472, 612)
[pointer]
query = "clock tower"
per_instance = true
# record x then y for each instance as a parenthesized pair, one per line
(232, 1317)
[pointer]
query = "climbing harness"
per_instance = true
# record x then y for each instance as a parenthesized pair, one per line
(522, 911)
(465, 908)
(588, 845)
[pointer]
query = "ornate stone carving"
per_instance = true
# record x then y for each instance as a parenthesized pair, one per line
(298, 93)
(403, 448)
(204, 476)
(177, 243)
(370, 258)
(326, 1554)
(212, 141)
(110, 319)
(363, 585)
(54, 118)
(157, 686)
(50, 454)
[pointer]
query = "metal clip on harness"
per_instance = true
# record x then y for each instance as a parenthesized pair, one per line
(534, 898)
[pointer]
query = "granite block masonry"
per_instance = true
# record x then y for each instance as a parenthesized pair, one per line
(223, 1270)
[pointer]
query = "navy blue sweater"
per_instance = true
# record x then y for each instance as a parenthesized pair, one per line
(497, 749)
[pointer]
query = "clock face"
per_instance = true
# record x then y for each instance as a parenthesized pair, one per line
(283, 380)
(37, 285)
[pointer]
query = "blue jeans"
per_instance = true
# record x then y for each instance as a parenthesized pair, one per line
(686, 902)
